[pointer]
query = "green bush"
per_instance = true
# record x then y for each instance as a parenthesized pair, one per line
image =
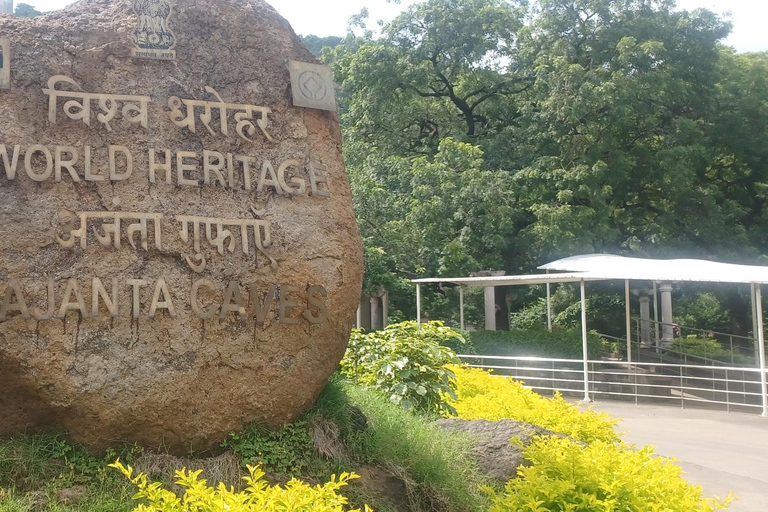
(560, 343)
(405, 361)
(287, 450)
(709, 348)
(565, 475)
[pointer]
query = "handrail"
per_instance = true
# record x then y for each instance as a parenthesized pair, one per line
(728, 386)
(606, 362)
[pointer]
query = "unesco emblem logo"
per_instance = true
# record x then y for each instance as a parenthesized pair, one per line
(312, 86)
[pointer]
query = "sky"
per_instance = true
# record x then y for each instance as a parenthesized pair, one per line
(749, 17)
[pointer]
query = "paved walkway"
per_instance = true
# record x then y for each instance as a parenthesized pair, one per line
(719, 451)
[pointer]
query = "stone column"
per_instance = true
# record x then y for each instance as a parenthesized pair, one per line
(490, 308)
(375, 321)
(667, 331)
(385, 310)
(645, 321)
(6, 6)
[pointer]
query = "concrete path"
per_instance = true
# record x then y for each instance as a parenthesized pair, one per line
(719, 451)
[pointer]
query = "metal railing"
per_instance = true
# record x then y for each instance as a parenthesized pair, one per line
(729, 388)
(736, 346)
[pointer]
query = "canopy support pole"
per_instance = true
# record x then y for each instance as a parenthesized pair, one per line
(656, 317)
(584, 342)
(418, 305)
(761, 340)
(629, 321)
(461, 306)
(549, 309)
(754, 323)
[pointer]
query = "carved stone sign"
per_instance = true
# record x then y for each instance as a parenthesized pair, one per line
(178, 249)
(312, 86)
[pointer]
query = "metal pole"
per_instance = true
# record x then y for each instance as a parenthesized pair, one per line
(359, 315)
(761, 341)
(754, 323)
(549, 309)
(418, 305)
(585, 348)
(629, 321)
(656, 316)
(461, 306)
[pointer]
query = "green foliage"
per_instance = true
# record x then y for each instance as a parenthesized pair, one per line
(565, 475)
(560, 343)
(474, 141)
(259, 496)
(481, 395)
(316, 44)
(438, 462)
(709, 348)
(26, 11)
(405, 361)
(47, 464)
(702, 311)
(287, 450)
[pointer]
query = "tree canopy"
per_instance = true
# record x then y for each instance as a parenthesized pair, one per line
(497, 134)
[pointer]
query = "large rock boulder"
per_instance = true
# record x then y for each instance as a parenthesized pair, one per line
(497, 456)
(178, 249)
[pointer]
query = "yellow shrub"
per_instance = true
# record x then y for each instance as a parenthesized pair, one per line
(480, 395)
(296, 496)
(565, 475)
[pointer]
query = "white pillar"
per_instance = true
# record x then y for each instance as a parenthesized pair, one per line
(761, 341)
(645, 321)
(628, 314)
(461, 306)
(6, 6)
(549, 308)
(359, 316)
(754, 323)
(418, 305)
(490, 308)
(375, 314)
(667, 331)
(385, 310)
(656, 317)
(585, 347)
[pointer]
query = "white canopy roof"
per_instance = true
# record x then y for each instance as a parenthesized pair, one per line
(567, 277)
(609, 266)
(605, 267)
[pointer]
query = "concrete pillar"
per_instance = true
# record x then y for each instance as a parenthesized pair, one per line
(364, 313)
(385, 310)
(645, 321)
(667, 330)
(359, 316)
(375, 320)
(6, 6)
(490, 308)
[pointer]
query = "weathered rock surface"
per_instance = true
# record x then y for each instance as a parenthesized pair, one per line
(267, 328)
(497, 457)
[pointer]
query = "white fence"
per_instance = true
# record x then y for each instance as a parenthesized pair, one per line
(731, 388)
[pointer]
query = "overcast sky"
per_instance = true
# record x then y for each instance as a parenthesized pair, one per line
(330, 18)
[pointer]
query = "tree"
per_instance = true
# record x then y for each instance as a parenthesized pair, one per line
(621, 126)
(26, 11)
(315, 44)
(432, 73)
